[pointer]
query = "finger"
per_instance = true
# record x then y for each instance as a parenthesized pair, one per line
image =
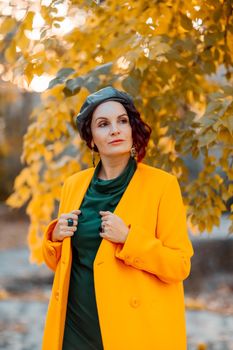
(69, 216)
(68, 228)
(68, 234)
(76, 211)
(106, 217)
(73, 228)
(106, 222)
(75, 223)
(73, 216)
(103, 225)
(102, 234)
(64, 222)
(104, 213)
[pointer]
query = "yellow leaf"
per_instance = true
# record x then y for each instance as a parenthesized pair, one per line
(22, 178)
(7, 25)
(209, 224)
(14, 201)
(22, 40)
(10, 53)
(28, 20)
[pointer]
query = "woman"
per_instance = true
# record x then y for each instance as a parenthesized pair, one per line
(119, 246)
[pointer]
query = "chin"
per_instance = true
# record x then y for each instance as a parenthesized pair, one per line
(123, 153)
(116, 153)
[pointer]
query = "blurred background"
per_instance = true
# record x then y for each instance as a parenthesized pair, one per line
(197, 145)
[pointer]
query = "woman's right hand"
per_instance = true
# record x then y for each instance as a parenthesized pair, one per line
(62, 230)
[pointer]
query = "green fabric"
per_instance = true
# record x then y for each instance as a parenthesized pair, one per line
(82, 330)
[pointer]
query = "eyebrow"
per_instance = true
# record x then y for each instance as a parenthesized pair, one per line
(121, 115)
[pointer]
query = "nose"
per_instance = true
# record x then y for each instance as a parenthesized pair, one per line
(114, 130)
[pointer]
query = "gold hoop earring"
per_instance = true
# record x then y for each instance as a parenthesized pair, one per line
(133, 152)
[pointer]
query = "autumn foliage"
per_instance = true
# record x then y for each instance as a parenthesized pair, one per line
(175, 59)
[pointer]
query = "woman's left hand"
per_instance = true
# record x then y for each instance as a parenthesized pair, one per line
(115, 229)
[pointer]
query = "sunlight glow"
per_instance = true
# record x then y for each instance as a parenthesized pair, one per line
(38, 21)
(7, 10)
(61, 10)
(46, 2)
(99, 59)
(197, 23)
(32, 35)
(149, 20)
(19, 14)
(64, 27)
(146, 52)
(123, 63)
(40, 83)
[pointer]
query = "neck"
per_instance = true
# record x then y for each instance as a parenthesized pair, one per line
(112, 167)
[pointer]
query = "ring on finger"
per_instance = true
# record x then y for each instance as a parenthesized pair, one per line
(70, 222)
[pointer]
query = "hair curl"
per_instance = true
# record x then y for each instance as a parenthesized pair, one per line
(141, 131)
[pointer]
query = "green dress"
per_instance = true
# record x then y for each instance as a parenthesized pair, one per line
(82, 330)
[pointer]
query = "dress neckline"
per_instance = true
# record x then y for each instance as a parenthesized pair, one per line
(102, 185)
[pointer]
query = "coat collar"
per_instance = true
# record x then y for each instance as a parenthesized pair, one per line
(122, 209)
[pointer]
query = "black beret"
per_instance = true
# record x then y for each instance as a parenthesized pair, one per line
(96, 98)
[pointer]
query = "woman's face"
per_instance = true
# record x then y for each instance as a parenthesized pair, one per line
(110, 122)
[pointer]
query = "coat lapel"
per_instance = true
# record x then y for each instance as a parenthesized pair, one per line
(126, 206)
(66, 245)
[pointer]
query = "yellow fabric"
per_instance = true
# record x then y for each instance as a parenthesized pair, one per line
(138, 284)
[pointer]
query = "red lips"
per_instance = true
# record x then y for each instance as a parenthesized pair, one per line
(118, 140)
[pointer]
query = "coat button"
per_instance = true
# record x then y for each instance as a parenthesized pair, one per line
(127, 259)
(136, 261)
(57, 293)
(134, 302)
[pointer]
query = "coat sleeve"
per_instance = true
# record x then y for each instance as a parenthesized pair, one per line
(52, 250)
(167, 253)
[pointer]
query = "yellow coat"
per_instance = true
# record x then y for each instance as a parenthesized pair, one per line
(138, 284)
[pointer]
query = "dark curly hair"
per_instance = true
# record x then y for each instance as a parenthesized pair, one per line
(140, 131)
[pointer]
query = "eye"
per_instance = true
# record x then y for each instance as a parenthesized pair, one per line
(124, 120)
(102, 124)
